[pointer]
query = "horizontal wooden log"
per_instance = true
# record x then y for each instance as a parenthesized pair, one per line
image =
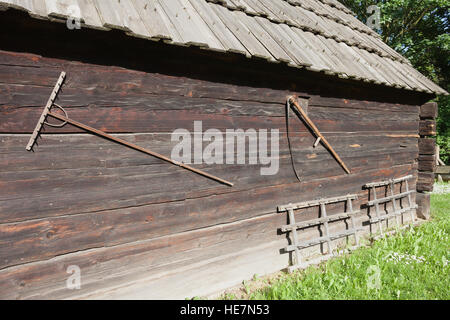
(19, 96)
(429, 110)
(35, 70)
(56, 152)
(425, 181)
(424, 187)
(443, 169)
(129, 120)
(427, 146)
(109, 176)
(109, 267)
(93, 193)
(426, 177)
(50, 237)
(427, 163)
(427, 127)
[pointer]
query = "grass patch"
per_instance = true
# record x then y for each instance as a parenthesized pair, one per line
(409, 265)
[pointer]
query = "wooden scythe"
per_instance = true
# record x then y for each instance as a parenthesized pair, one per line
(320, 138)
(47, 112)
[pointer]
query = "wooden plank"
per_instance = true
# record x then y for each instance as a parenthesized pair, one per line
(223, 34)
(17, 95)
(111, 15)
(133, 20)
(266, 39)
(443, 169)
(427, 146)
(106, 228)
(425, 181)
(129, 120)
(202, 27)
(61, 9)
(90, 14)
(427, 127)
(424, 187)
(119, 80)
(232, 20)
(429, 110)
(285, 42)
(121, 265)
(427, 163)
(153, 18)
(306, 49)
(119, 178)
(184, 24)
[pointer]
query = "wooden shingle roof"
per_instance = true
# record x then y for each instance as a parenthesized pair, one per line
(318, 35)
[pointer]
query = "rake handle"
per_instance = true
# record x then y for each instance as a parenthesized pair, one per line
(317, 132)
(136, 147)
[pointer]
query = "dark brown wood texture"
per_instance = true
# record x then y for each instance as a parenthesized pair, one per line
(429, 110)
(120, 214)
(427, 127)
(427, 146)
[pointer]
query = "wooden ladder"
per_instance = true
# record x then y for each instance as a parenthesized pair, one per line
(396, 212)
(324, 219)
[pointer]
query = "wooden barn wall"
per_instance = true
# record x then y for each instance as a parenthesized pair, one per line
(121, 215)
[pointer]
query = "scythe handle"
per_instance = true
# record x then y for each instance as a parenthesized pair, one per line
(317, 132)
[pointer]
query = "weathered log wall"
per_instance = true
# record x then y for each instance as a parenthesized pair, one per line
(427, 157)
(122, 216)
(427, 146)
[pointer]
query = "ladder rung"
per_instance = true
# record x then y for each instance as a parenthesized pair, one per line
(300, 205)
(387, 182)
(390, 198)
(317, 221)
(393, 214)
(320, 240)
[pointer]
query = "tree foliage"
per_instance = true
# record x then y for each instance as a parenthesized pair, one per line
(419, 30)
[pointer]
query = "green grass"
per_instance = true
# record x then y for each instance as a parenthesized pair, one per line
(410, 265)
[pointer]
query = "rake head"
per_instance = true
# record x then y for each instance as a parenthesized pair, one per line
(44, 114)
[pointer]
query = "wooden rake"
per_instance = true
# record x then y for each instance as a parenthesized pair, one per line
(47, 112)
